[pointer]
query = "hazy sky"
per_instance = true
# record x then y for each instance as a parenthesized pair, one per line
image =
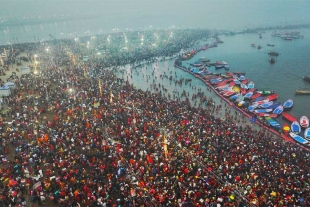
(214, 14)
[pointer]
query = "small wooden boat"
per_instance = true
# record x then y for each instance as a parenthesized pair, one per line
(243, 91)
(300, 139)
(228, 93)
(251, 85)
(295, 127)
(258, 111)
(236, 89)
(274, 105)
(278, 110)
(288, 104)
(288, 117)
(232, 84)
(252, 107)
(302, 92)
(244, 86)
(272, 122)
(266, 105)
(272, 60)
(272, 97)
(242, 78)
(237, 82)
(204, 59)
(245, 81)
(307, 133)
(270, 45)
(256, 95)
(261, 102)
(265, 92)
(270, 115)
(248, 95)
(304, 121)
(251, 90)
(234, 97)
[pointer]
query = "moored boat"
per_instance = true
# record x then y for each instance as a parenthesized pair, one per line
(307, 133)
(302, 91)
(274, 105)
(256, 95)
(251, 85)
(267, 114)
(272, 97)
(272, 122)
(289, 117)
(278, 110)
(288, 104)
(300, 139)
(252, 107)
(265, 92)
(266, 105)
(258, 111)
(304, 121)
(295, 127)
(248, 95)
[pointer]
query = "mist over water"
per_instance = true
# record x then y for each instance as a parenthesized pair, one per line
(24, 19)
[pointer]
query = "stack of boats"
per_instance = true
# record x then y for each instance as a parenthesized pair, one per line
(261, 104)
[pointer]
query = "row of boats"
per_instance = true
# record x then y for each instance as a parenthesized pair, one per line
(262, 105)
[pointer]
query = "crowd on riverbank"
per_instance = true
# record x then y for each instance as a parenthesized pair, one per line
(79, 140)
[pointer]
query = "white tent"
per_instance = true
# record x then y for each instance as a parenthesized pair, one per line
(10, 84)
(5, 91)
(25, 70)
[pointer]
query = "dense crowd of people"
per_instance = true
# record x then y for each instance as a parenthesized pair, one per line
(72, 139)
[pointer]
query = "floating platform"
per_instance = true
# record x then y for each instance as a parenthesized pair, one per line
(303, 92)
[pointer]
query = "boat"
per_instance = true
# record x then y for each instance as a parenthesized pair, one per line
(288, 104)
(304, 121)
(273, 53)
(248, 95)
(272, 122)
(278, 110)
(270, 45)
(295, 127)
(237, 81)
(232, 84)
(288, 38)
(243, 91)
(244, 86)
(226, 67)
(236, 89)
(307, 78)
(266, 114)
(274, 106)
(272, 60)
(204, 59)
(302, 91)
(252, 107)
(251, 85)
(260, 102)
(265, 92)
(266, 105)
(307, 133)
(215, 80)
(234, 97)
(258, 111)
(218, 67)
(228, 93)
(300, 139)
(242, 78)
(289, 117)
(272, 97)
(256, 95)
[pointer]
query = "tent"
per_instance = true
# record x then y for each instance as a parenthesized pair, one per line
(5, 91)
(10, 84)
(25, 70)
